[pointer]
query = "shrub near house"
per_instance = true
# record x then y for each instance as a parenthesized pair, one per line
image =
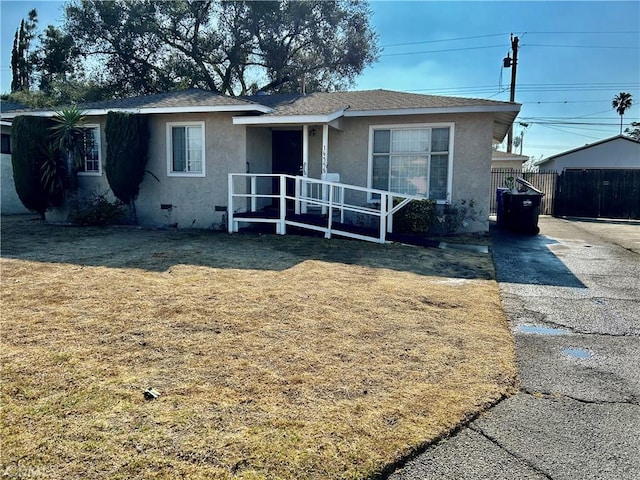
(32, 149)
(127, 154)
(43, 177)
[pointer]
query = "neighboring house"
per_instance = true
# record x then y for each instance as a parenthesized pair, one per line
(614, 152)
(9, 202)
(420, 145)
(501, 161)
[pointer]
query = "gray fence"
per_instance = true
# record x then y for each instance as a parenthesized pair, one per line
(605, 193)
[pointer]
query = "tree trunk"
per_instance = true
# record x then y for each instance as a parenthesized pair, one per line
(133, 213)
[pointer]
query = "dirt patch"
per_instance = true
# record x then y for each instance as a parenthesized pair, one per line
(275, 357)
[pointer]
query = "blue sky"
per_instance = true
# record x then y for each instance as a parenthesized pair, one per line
(573, 58)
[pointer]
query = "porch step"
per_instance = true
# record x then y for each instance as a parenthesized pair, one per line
(336, 227)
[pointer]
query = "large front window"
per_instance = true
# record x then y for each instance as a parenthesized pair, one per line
(91, 158)
(185, 149)
(413, 160)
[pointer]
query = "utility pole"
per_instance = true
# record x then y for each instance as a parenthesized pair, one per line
(513, 63)
(524, 126)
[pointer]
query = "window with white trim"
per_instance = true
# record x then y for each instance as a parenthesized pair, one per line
(91, 153)
(410, 159)
(185, 149)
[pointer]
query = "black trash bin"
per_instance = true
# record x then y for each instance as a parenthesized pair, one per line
(500, 206)
(519, 209)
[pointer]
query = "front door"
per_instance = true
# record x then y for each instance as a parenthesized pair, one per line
(286, 155)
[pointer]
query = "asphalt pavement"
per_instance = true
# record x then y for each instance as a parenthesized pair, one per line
(572, 296)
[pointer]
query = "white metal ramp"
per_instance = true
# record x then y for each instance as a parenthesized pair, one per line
(332, 208)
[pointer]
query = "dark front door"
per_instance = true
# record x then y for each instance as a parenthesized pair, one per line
(286, 155)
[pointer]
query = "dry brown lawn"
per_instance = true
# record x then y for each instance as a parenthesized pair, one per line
(275, 357)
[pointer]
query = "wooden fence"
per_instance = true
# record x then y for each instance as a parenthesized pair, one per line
(543, 181)
(596, 193)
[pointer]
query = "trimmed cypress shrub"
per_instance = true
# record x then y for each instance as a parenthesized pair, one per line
(127, 137)
(31, 149)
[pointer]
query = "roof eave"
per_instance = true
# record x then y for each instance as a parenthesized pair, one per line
(92, 112)
(511, 111)
(434, 110)
(502, 122)
(289, 119)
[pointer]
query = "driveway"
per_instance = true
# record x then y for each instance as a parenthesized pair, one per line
(572, 296)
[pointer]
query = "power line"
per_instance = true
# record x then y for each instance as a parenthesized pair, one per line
(561, 122)
(445, 40)
(540, 85)
(565, 101)
(594, 113)
(617, 47)
(421, 42)
(583, 32)
(571, 133)
(566, 120)
(609, 110)
(530, 145)
(440, 51)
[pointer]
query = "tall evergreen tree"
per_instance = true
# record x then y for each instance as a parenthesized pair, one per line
(15, 63)
(21, 67)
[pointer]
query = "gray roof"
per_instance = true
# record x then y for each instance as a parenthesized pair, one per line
(291, 108)
(359, 101)
(6, 106)
(178, 99)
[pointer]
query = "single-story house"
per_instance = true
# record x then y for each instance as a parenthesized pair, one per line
(614, 152)
(504, 161)
(9, 202)
(416, 145)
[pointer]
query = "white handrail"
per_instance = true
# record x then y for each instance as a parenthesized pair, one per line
(329, 196)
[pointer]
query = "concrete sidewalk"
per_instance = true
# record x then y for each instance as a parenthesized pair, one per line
(572, 296)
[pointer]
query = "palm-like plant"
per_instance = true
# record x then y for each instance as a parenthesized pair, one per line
(52, 170)
(621, 103)
(68, 136)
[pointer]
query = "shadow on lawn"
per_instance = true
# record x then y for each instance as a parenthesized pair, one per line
(26, 238)
(526, 259)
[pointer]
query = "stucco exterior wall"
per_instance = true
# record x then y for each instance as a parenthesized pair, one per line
(185, 202)
(259, 159)
(192, 200)
(472, 135)
(10, 202)
(259, 150)
(348, 154)
(617, 153)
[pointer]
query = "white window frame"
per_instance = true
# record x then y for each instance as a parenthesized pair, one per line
(93, 173)
(170, 171)
(418, 126)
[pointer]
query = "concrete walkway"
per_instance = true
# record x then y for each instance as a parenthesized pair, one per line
(572, 296)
